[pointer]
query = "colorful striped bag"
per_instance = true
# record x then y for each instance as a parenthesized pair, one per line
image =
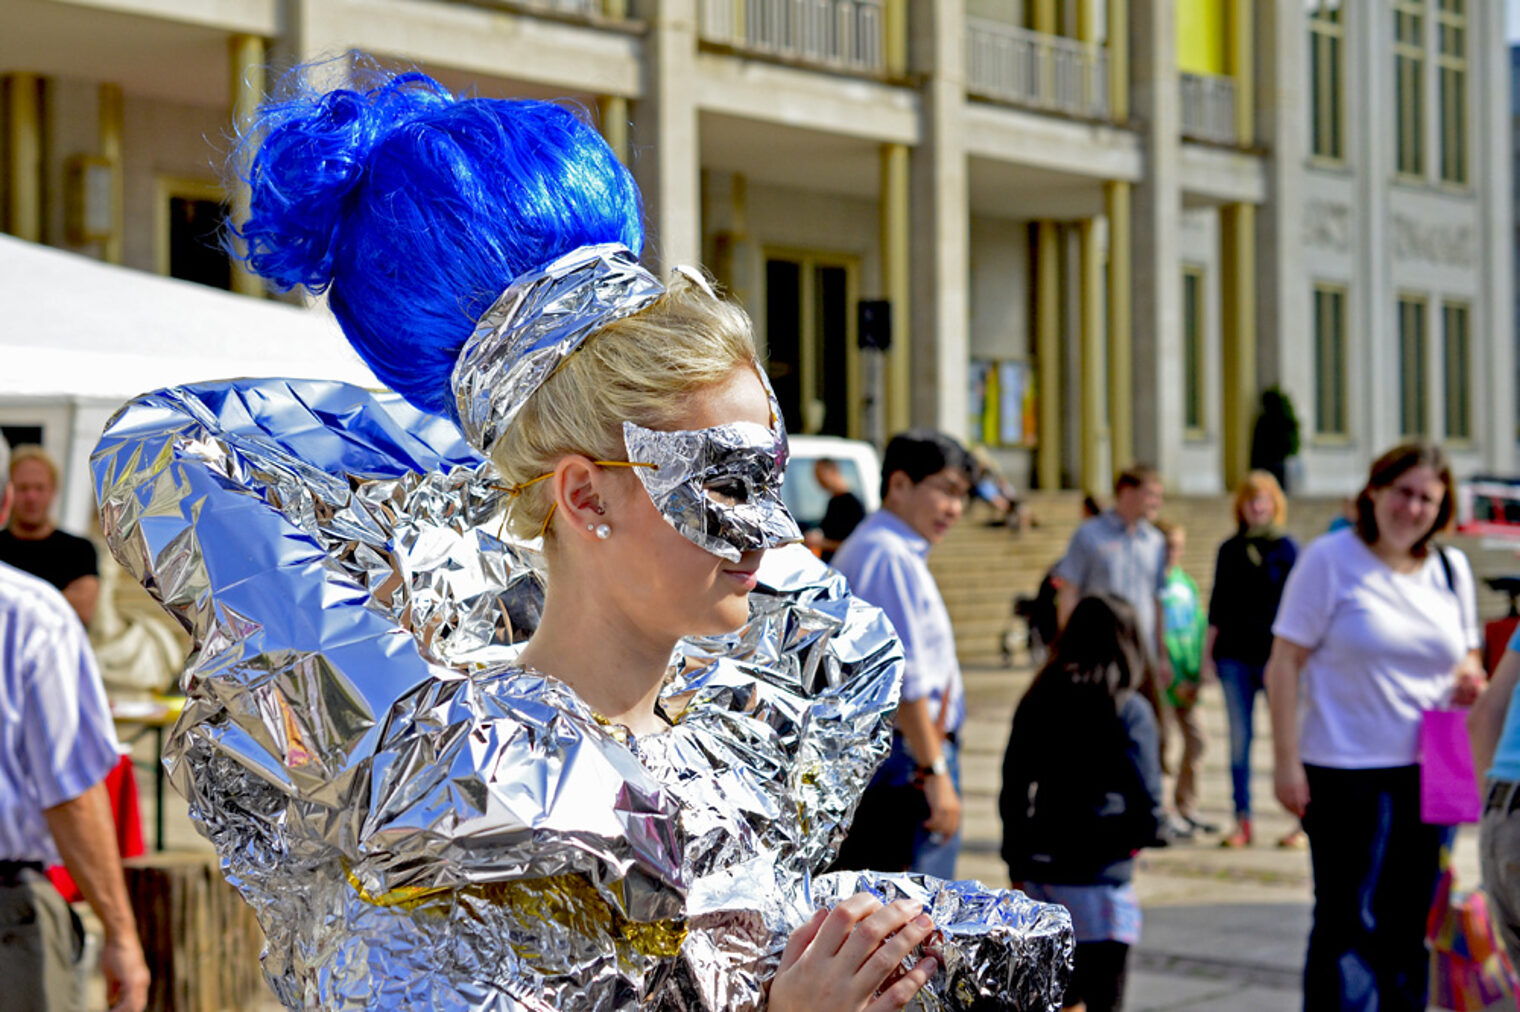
(1469, 969)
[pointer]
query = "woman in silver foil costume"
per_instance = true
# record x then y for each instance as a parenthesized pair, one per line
(627, 812)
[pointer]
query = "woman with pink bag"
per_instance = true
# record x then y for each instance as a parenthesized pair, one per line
(1376, 627)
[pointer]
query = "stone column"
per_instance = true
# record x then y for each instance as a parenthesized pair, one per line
(1237, 260)
(1047, 309)
(1156, 420)
(246, 59)
(1283, 314)
(665, 135)
(612, 121)
(896, 284)
(1493, 330)
(1237, 277)
(940, 310)
(23, 148)
(112, 116)
(1047, 328)
(1094, 468)
(1121, 373)
(1372, 331)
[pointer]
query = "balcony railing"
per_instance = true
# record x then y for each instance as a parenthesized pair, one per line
(1208, 108)
(582, 8)
(835, 34)
(1010, 64)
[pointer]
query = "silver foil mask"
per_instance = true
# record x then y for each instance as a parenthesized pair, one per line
(719, 487)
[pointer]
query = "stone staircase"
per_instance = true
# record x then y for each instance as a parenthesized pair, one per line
(980, 568)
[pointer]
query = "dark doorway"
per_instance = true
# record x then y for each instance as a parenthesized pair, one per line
(808, 336)
(195, 252)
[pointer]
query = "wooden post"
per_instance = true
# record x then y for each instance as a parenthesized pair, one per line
(200, 939)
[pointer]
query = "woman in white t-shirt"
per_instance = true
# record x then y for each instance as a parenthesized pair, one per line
(1376, 626)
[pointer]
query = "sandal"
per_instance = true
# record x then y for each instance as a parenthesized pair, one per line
(1296, 839)
(1240, 838)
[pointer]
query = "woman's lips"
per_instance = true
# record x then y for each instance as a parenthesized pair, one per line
(746, 578)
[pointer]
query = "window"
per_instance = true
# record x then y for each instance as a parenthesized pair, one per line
(1408, 79)
(1327, 38)
(1192, 350)
(1413, 420)
(1329, 360)
(191, 216)
(1451, 68)
(1457, 363)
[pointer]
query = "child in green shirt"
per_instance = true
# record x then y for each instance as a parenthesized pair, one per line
(1185, 623)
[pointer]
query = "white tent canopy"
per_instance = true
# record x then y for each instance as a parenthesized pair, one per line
(75, 328)
(79, 337)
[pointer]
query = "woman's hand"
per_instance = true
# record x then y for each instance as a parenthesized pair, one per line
(1292, 787)
(841, 958)
(1470, 679)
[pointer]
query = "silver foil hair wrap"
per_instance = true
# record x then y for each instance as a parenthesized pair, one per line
(719, 487)
(538, 322)
(419, 823)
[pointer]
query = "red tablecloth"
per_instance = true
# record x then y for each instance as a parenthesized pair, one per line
(121, 787)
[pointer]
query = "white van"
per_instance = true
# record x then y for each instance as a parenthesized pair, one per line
(857, 461)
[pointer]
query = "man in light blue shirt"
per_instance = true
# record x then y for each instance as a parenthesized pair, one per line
(1494, 726)
(925, 478)
(57, 744)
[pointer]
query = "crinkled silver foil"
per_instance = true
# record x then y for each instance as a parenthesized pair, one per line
(536, 324)
(419, 823)
(719, 487)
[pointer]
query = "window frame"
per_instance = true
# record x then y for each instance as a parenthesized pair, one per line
(1409, 66)
(1327, 83)
(1195, 365)
(1451, 21)
(1458, 380)
(1337, 294)
(1414, 387)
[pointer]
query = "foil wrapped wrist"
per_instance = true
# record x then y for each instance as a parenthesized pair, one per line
(420, 823)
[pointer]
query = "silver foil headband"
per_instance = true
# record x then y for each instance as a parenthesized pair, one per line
(537, 323)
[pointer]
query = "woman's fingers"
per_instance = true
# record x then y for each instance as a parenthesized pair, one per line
(841, 923)
(871, 932)
(797, 944)
(909, 984)
(886, 962)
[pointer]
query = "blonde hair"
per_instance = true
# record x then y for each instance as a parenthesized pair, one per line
(638, 369)
(31, 451)
(1261, 483)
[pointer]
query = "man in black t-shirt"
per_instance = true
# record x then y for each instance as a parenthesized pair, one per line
(34, 544)
(843, 513)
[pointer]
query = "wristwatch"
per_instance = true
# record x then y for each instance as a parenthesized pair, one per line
(939, 767)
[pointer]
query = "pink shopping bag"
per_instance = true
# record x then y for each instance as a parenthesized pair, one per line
(1448, 786)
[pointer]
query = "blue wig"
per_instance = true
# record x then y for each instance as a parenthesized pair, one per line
(414, 210)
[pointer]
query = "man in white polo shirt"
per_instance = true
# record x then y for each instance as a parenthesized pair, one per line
(925, 478)
(56, 746)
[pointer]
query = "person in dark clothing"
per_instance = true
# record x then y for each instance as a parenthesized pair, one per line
(1249, 575)
(1081, 792)
(843, 514)
(34, 544)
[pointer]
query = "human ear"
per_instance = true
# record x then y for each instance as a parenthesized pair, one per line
(579, 495)
(899, 484)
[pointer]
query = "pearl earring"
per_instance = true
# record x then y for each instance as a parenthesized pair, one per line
(602, 531)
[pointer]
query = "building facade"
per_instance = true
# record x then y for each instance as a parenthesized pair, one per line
(1086, 231)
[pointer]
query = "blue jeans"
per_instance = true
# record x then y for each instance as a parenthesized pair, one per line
(932, 854)
(1375, 871)
(1240, 682)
